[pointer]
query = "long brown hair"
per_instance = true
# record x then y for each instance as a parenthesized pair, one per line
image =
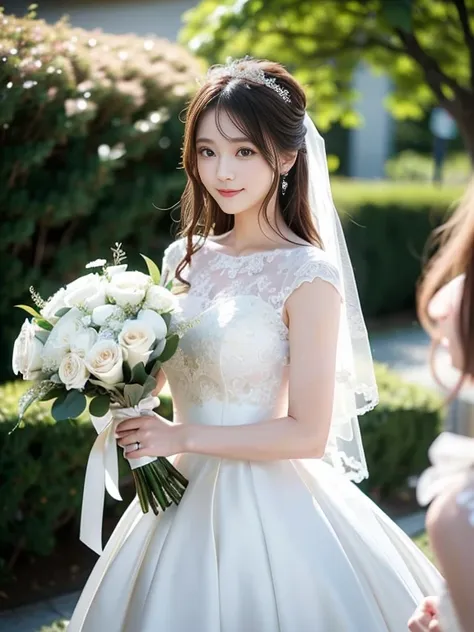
(454, 256)
(273, 125)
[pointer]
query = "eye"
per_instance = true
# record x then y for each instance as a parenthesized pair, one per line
(203, 150)
(245, 152)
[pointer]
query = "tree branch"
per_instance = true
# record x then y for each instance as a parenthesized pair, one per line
(467, 31)
(433, 73)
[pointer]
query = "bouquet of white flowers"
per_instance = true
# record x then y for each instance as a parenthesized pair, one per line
(100, 342)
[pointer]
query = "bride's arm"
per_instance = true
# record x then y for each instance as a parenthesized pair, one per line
(313, 313)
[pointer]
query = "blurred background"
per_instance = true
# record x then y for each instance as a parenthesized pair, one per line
(92, 95)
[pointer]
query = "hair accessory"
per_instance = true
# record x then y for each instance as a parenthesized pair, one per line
(256, 75)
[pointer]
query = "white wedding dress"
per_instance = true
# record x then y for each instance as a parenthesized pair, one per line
(282, 546)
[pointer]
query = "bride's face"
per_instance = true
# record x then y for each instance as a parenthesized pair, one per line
(233, 165)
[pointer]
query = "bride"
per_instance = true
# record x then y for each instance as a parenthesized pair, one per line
(271, 534)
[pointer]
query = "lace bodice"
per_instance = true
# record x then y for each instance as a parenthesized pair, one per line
(231, 364)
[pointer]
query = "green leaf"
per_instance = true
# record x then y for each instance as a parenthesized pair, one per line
(153, 270)
(62, 312)
(30, 310)
(167, 318)
(53, 393)
(99, 406)
(127, 372)
(172, 343)
(169, 285)
(69, 405)
(398, 14)
(153, 368)
(139, 374)
(134, 393)
(149, 386)
(44, 324)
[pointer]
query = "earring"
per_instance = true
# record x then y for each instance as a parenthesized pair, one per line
(284, 184)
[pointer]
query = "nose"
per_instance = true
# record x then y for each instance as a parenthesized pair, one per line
(224, 170)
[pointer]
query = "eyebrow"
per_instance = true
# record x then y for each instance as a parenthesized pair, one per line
(241, 139)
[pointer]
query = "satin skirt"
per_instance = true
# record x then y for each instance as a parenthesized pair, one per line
(283, 546)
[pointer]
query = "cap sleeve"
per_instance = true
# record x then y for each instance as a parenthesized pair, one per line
(313, 263)
(171, 258)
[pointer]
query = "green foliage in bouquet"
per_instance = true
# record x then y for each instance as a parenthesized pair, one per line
(398, 433)
(90, 132)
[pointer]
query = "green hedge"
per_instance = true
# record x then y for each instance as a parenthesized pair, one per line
(387, 225)
(90, 135)
(42, 465)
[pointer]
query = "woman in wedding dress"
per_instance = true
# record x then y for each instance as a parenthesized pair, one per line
(271, 535)
(448, 316)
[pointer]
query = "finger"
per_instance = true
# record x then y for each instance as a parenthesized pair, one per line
(138, 454)
(434, 626)
(129, 425)
(128, 439)
(416, 626)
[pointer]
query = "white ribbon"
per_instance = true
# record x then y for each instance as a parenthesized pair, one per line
(102, 469)
(451, 456)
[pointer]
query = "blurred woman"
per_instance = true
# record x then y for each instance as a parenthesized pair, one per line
(446, 310)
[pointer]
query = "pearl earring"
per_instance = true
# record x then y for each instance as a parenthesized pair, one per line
(284, 184)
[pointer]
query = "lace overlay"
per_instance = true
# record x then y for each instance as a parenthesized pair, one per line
(238, 353)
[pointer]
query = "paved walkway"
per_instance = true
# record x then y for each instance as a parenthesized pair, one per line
(403, 349)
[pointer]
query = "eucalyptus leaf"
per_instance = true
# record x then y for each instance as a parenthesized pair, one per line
(99, 406)
(153, 270)
(69, 405)
(133, 393)
(30, 310)
(170, 349)
(149, 386)
(42, 336)
(169, 285)
(167, 318)
(62, 312)
(139, 374)
(155, 369)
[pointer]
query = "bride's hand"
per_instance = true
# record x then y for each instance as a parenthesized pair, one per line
(425, 617)
(150, 436)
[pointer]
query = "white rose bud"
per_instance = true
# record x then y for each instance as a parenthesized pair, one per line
(136, 338)
(113, 270)
(128, 288)
(27, 353)
(103, 312)
(159, 299)
(104, 360)
(73, 372)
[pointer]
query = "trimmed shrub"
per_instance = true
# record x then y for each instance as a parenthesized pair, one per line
(90, 135)
(42, 465)
(387, 226)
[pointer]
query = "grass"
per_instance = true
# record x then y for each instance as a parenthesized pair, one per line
(420, 540)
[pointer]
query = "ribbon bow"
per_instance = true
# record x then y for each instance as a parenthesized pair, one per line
(451, 456)
(102, 469)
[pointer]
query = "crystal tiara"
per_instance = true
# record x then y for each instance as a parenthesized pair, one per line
(235, 71)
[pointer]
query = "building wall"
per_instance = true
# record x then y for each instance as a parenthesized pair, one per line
(369, 146)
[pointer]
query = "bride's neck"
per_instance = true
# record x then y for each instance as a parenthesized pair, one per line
(249, 234)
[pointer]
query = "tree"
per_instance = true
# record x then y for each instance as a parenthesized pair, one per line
(426, 47)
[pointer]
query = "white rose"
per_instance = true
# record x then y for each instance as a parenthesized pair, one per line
(73, 372)
(61, 337)
(88, 290)
(27, 350)
(136, 339)
(84, 341)
(113, 270)
(105, 360)
(155, 321)
(128, 288)
(160, 299)
(53, 305)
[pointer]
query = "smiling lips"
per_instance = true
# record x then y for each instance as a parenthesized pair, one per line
(229, 192)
